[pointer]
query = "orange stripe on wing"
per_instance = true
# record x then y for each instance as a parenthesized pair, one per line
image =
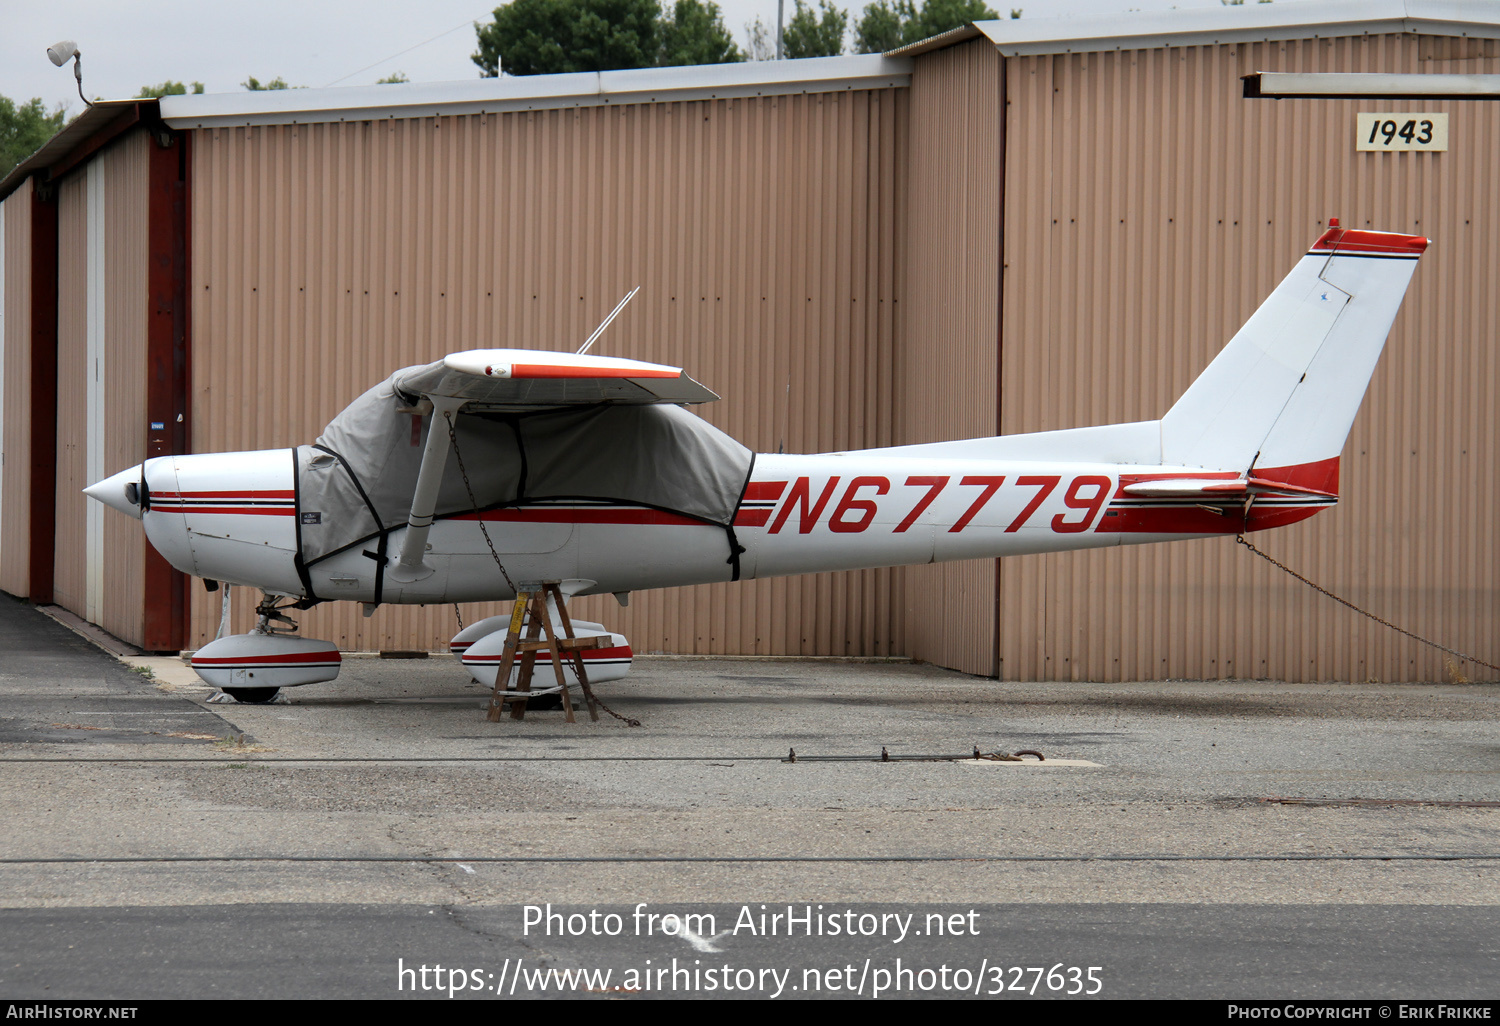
(543, 370)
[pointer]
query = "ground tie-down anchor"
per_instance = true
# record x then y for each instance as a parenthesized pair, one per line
(886, 756)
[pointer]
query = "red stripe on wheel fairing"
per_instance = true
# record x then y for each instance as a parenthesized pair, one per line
(324, 658)
(592, 655)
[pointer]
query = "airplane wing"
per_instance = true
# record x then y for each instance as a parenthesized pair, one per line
(615, 417)
(520, 379)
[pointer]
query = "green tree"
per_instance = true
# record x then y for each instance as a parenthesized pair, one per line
(548, 37)
(694, 33)
(255, 85)
(167, 88)
(938, 16)
(876, 30)
(394, 78)
(808, 35)
(23, 130)
(881, 25)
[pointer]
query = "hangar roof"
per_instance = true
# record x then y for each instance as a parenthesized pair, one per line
(1249, 22)
(536, 92)
(88, 133)
(1244, 23)
(106, 120)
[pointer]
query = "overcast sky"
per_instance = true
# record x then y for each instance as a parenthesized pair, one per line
(128, 44)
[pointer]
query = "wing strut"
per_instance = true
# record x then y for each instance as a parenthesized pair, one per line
(412, 564)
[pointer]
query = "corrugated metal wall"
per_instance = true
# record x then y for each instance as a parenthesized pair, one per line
(122, 169)
(15, 491)
(948, 361)
(765, 233)
(70, 557)
(125, 166)
(1149, 210)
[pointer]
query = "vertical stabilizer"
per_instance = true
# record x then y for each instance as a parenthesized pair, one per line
(1282, 395)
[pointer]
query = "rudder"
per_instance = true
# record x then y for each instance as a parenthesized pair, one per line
(1281, 397)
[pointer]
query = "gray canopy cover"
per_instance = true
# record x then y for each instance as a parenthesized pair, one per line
(655, 455)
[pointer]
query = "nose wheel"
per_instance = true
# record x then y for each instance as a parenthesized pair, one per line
(252, 696)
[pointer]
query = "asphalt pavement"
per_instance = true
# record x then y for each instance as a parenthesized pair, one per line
(1208, 839)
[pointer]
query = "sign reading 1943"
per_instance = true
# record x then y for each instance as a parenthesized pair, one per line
(1401, 132)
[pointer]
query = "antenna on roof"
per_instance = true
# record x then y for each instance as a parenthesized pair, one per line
(612, 315)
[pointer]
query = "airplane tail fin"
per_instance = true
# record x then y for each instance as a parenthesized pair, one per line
(1279, 400)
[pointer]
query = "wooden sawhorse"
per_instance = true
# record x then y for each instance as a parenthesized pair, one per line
(535, 598)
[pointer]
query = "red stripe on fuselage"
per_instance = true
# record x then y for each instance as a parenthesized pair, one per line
(764, 491)
(239, 511)
(1321, 476)
(241, 495)
(1197, 520)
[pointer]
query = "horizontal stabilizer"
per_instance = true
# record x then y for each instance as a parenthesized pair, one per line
(1186, 488)
(1209, 490)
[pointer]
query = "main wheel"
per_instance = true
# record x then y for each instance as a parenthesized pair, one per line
(252, 696)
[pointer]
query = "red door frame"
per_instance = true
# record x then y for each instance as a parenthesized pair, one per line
(168, 363)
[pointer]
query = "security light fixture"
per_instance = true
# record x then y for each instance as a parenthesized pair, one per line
(58, 54)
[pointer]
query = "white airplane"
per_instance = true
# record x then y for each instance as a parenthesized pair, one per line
(461, 480)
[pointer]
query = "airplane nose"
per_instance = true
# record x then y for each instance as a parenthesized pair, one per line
(121, 492)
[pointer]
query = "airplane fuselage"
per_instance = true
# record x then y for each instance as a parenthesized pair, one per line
(235, 518)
